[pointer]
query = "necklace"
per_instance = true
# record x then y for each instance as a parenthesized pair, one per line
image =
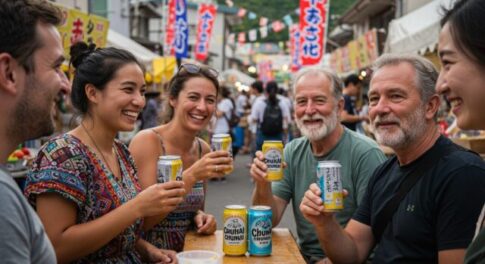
(97, 148)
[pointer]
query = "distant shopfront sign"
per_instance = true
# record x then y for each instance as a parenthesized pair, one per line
(357, 54)
(79, 26)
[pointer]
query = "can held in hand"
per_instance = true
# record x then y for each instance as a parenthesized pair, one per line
(222, 142)
(273, 156)
(235, 230)
(330, 182)
(169, 168)
(259, 230)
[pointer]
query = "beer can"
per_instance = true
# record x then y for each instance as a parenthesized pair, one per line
(273, 156)
(169, 168)
(222, 142)
(259, 230)
(235, 230)
(330, 182)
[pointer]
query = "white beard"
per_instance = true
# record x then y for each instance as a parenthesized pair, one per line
(317, 132)
(409, 128)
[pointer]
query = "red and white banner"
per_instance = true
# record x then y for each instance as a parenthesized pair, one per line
(313, 25)
(295, 49)
(241, 37)
(206, 16)
(170, 28)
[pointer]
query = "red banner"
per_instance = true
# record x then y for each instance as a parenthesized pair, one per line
(170, 28)
(313, 21)
(295, 47)
(206, 16)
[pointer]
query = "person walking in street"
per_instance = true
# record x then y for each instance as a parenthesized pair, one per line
(462, 53)
(31, 81)
(84, 184)
(421, 205)
(272, 116)
(318, 104)
(191, 103)
(350, 116)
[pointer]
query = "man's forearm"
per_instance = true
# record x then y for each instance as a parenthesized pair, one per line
(337, 244)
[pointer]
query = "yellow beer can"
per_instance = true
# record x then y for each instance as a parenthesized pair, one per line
(222, 142)
(273, 156)
(169, 168)
(235, 241)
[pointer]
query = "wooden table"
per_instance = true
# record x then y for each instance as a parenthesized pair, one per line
(285, 249)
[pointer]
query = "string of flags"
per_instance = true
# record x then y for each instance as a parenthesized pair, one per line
(265, 26)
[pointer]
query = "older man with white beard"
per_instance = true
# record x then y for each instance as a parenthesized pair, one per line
(318, 103)
(421, 206)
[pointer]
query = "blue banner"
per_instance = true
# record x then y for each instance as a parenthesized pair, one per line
(181, 44)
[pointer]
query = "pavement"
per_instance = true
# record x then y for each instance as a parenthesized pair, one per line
(237, 189)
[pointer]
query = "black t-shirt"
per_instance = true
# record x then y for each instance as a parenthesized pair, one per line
(438, 213)
(350, 108)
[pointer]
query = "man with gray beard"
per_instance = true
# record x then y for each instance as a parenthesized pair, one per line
(433, 219)
(318, 104)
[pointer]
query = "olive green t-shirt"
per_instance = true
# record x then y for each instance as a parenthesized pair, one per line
(358, 155)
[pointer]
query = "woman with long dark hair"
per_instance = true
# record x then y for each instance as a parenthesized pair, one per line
(84, 183)
(462, 82)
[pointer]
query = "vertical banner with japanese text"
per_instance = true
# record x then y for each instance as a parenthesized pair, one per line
(295, 47)
(313, 25)
(206, 17)
(170, 29)
(181, 41)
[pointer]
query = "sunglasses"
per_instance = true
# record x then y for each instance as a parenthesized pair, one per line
(195, 69)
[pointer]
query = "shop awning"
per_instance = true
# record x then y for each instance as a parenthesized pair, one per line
(234, 75)
(143, 54)
(417, 31)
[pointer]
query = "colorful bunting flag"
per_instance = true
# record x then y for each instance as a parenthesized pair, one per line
(288, 20)
(253, 35)
(263, 31)
(263, 21)
(241, 12)
(252, 15)
(277, 26)
(241, 37)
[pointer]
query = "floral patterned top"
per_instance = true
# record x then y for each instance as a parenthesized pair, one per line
(68, 167)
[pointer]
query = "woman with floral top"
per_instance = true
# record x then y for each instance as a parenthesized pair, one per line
(84, 183)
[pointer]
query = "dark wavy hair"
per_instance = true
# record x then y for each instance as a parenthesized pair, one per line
(177, 84)
(18, 34)
(96, 67)
(272, 90)
(467, 28)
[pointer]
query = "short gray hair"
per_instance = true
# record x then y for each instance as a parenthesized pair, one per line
(336, 84)
(426, 73)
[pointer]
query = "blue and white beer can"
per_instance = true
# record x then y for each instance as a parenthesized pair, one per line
(259, 230)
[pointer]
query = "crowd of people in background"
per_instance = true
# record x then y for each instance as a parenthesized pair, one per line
(90, 198)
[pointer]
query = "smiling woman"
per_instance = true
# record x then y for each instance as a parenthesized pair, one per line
(84, 183)
(462, 77)
(191, 104)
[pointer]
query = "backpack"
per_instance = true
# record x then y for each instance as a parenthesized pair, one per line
(233, 121)
(272, 123)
